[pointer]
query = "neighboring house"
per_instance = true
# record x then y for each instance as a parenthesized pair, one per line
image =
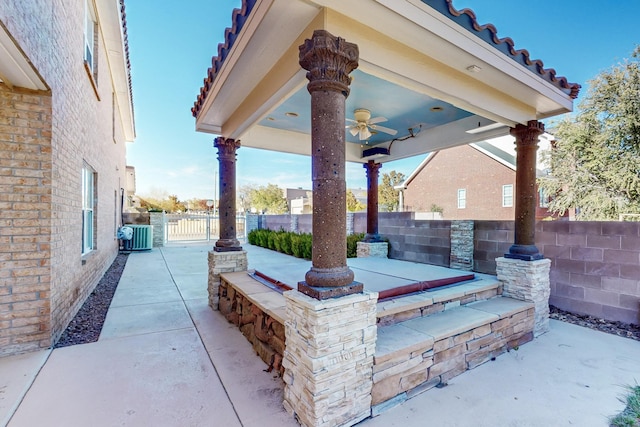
(299, 200)
(66, 113)
(475, 181)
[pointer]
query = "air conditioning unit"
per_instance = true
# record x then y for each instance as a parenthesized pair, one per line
(142, 238)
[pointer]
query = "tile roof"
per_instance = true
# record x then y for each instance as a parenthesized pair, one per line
(465, 18)
(239, 18)
(125, 38)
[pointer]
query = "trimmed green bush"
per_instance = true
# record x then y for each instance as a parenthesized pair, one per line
(297, 244)
(352, 244)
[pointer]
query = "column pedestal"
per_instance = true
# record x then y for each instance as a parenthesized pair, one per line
(328, 359)
(372, 249)
(223, 262)
(527, 281)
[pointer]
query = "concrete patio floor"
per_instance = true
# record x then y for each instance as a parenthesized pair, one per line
(164, 358)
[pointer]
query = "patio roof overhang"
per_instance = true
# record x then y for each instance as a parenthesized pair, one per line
(439, 77)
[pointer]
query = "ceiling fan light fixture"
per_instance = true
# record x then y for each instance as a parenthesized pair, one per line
(364, 133)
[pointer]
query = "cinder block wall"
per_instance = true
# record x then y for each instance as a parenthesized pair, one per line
(491, 239)
(595, 267)
(416, 240)
(81, 126)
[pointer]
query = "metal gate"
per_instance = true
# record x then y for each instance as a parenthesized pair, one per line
(197, 227)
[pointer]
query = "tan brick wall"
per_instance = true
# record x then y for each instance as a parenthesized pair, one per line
(25, 219)
(81, 130)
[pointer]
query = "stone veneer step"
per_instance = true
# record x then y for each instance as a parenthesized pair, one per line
(426, 303)
(415, 355)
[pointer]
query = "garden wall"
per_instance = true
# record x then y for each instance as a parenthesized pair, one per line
(595, 266)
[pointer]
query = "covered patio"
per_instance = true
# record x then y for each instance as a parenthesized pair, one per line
(369, 82)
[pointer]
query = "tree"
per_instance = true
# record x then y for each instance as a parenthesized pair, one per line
(244, 197)
(353, 204)
(169, 204)
(269, 199)
(595, 165)
(387, 194)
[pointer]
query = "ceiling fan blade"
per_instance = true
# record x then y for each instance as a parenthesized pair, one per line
(364, 133)
(377, 120)
(353, 131)
(351, 120)
(384, 129)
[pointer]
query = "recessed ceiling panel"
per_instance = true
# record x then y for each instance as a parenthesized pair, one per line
(405, 111)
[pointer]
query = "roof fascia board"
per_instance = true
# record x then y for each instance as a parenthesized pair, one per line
(15, 68)
(254, 19)
(426, 17)
(111, 26)
(493, 156)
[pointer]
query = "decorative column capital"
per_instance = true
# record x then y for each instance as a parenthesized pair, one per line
(527, 135)
(328, 60)
(372, 168)
(226, 146)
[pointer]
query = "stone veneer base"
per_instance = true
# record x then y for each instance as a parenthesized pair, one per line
(223, 262)
(527, 281)
(372, 249)
(328, 358)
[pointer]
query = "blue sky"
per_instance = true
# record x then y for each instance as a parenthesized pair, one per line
(171, 49)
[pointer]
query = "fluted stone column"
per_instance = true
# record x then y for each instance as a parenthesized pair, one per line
(373, 170)
(524, 247)
(328, 60)
(227, 207)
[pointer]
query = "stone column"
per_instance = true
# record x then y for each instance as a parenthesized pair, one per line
(524, 247)
(328, 358)
(227, 206)
(157, 220)
(328, 60)
(373, 170)
(227, 255)
(527, 281)
(461, 255)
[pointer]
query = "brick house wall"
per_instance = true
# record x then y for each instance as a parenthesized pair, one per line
(464, 167)
(48, 278)
(482, 177)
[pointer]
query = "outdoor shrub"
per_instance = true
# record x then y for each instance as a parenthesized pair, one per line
(271, 241)
(298, 245)
(306, 244)
(285, 242)
(352, 244)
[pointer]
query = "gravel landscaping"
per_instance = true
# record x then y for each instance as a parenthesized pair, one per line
(86, 326)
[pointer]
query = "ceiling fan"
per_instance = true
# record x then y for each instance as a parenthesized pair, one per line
(364, 126)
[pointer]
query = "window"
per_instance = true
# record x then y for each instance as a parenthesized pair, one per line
(507, 196)
(89, 35)
(462, 198)
(88, 200)
(544, 200)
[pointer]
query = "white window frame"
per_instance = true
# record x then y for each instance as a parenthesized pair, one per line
(88, 209)
(462, 198)
(90, 25)
(507, 196)
(544, 200)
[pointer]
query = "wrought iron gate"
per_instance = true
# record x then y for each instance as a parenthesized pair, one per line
(197, 227)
